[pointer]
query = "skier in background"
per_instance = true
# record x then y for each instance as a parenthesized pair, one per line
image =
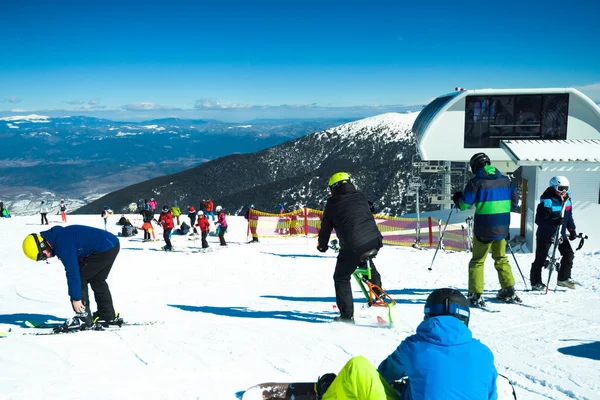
(493, 196)
(548, 219)
(192, 213)
(166, 221)
(204, 228)
(222, 224)
(440, 361)
(252, 217)
(152, 204)
(176, 211)
(62, 208)
(88, 255)
(281, 208)
(105, 213)
(44, 213)
(209, 209)
(347, 211)
(148, 230)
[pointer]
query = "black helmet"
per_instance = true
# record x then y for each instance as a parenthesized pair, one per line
(165, 208)
(479, 160)
(447, 302)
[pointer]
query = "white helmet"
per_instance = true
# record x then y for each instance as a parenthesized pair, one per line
(219, 208)
(559, 181)
(200, 213)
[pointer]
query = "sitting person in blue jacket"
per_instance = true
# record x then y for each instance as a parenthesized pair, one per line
(88, 255)
(440, 361)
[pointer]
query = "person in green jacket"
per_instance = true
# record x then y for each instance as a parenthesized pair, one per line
(493, 196)
(175, 211)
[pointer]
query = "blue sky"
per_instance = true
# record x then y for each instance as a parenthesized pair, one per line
(238, 60)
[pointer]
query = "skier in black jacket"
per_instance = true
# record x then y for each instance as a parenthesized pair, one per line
(347, 211)
(548, 218)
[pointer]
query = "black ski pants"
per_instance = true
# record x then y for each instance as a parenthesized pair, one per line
(347, 262)
(204, 241)
(222, 231)
(166, 234)
(94, 270)
(44, 218)
(541, 254)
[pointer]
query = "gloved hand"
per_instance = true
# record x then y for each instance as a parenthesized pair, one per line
(322, 249)
(456, 198)
(572, 234)
(556, 221)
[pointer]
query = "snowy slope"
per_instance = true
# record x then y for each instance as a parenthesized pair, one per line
(257, 313)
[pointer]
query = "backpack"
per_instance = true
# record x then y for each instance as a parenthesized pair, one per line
(128, 231)
(184, 229)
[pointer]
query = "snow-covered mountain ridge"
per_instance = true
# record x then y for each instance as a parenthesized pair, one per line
(377, 151)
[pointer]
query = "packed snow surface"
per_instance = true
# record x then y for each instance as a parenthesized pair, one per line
(251, 313)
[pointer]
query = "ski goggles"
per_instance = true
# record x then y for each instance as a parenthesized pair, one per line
(41, 245)
(562, 188)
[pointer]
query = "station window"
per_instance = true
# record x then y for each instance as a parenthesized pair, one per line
(489, 119)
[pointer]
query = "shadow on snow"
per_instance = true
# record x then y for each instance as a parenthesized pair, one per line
(585, 350)
(297, 255)
(19, 319)
(244, 312)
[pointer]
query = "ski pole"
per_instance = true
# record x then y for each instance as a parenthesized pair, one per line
(519, 268)
(441, 237)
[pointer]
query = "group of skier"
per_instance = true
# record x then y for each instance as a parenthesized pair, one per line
(494, 197)
(442, 358)
(443, 338)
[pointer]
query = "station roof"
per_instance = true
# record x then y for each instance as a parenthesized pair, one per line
(538, 152)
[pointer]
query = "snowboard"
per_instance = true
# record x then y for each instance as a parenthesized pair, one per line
(282, 391)
(307, 390)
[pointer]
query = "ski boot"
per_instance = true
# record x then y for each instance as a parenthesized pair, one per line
(538, 287)
(103, 322)
(508, 295)
(346, 320)
(323, 384)
(569, 283)
(476, 300)
(80, 322)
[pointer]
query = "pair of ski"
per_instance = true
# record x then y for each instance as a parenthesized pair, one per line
(487, 308)
(42, 329)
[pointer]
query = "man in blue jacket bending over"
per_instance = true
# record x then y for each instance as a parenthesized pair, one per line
(88, 255)
(441, 361)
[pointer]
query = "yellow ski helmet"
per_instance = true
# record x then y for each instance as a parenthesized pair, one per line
(34, 246)
(338, 177)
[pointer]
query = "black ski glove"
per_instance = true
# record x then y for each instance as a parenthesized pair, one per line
(572, 235)
(456, 198)
(556, 221)
(321, 248)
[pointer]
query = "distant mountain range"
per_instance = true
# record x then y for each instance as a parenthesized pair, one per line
(377, 151)
(82, 158)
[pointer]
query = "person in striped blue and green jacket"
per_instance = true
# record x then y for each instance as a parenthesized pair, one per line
(493, 196)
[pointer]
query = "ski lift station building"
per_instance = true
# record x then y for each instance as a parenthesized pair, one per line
(545, 132)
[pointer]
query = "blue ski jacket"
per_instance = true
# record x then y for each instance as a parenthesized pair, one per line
(442, 361)
(72, 244)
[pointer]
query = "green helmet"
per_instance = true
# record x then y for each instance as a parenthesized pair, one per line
(338, 177)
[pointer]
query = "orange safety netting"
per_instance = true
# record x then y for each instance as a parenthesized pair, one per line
(396, 231)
